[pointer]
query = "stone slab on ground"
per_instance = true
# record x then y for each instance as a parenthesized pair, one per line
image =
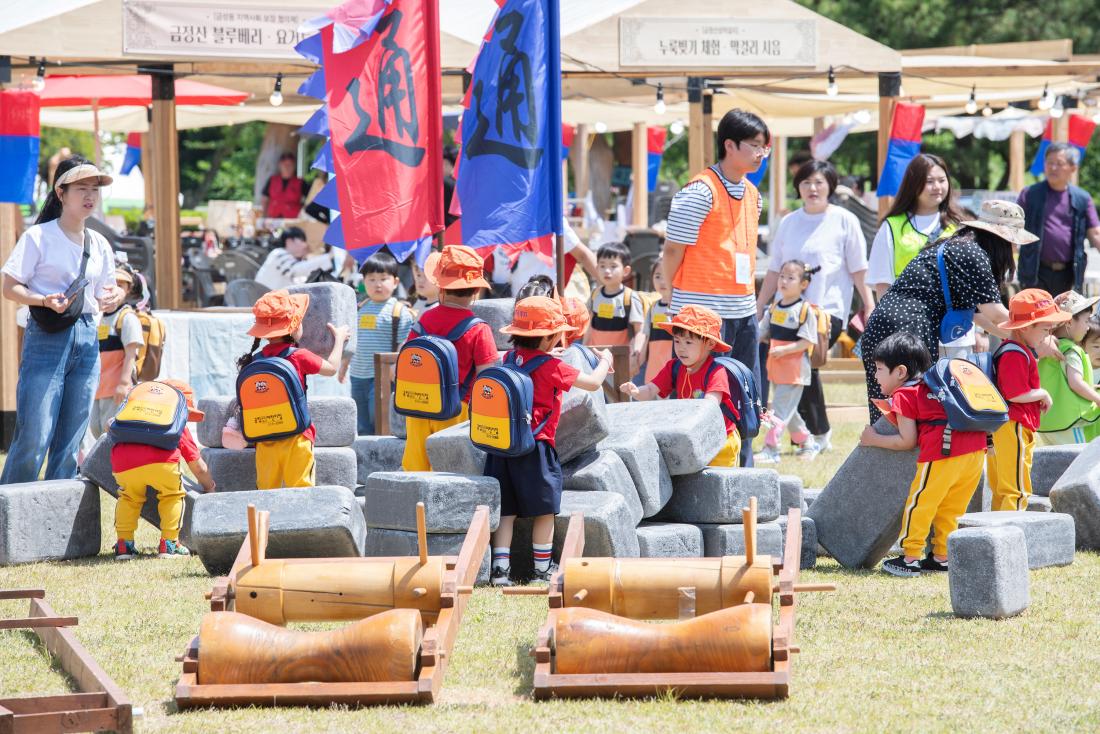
(688, 432)
(49, 521)
(808, 558)
(1077, 493)
(1049, 536)
(450, 500)
(450, 450)
(790, 493)
(496, 312)
(988, 573)
(333, 417)
(328, 303)
(642, 457)
(1049, 463)
(669, 540)
(306, 522)
(385, 542)
(377, 453)
(584, 423)
(397, 423)
(809, 495)
(603, 471)
(718, 496)
(722, 539)
(609, 527)
(235, 471)
(1039, 504)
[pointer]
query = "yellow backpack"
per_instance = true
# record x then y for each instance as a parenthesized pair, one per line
(147, 363)
(819, 355)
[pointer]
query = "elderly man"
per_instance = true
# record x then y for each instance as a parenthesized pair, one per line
(1063, 216)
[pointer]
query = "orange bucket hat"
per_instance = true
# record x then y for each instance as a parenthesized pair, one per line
(189, 394)
(456, 266)
(537, 316)
(576, 315)
(1033, 306)
(698, 320)
(278, 313)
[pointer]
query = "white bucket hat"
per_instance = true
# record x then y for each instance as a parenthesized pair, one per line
(1004, 219)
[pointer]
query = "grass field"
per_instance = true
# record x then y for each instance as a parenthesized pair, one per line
(880, 654)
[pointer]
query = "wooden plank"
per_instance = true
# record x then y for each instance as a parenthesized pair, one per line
(22, 594)
(35, 622)
(7, 721)
(640, 175)
(166, 168)
(685, 685)
(104, 719)
(297, 694)
(11, 224)
(48, 704)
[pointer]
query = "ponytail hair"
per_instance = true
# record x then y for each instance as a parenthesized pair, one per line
(247, 357)
(807, 272)
(51, 208)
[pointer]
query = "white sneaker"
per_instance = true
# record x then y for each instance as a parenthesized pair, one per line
(823, 441)
(808, 451)
(769, 455)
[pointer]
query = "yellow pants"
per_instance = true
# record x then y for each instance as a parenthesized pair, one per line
(166, 481)
(417, 431)
(940, 493)
(1009, 467)
(730, 453)
(287, 462)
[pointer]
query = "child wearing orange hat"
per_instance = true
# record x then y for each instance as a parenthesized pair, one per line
(696, 334)
(1032, 314)
(288, 462)
(530, 485)
(138, 467)
(459, 273)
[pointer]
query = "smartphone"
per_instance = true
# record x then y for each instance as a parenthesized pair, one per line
(76, 287)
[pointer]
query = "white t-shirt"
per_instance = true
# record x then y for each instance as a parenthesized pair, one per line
(832, 240)
(47, 262)
(880, 267)
(529, 264)
(282, 270)
(131, 326)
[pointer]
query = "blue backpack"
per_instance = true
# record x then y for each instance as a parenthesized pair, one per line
(743, 390)
(272, 399)
(153, 414)
(426, 376)
(500, 407)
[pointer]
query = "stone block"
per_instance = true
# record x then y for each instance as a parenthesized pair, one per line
(234, 471)
(717, 495)
(584, 423)
(609, 527)
(1077, 493)
(333, 417)
(329, 303)
(1048, 463)
(397, 423)
(669, 540)
(729, 540)
(808, 558)
(450, 450)
(689, 432)
(1039, 504)
(449, 500)
(385, 542)
(988, 574)
(49, 521)
(642, 457)
(603, 471)
(982, 499)
(496, 312)
(809, 495)
(1049, 536)
(377, 453)
(790, 493)
(306, 522)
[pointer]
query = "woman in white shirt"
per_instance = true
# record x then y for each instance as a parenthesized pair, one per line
(59, 367)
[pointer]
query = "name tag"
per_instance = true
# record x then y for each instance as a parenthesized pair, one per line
(606, 310)
(368, 321)
(660, 318)
(742, 268)
(104, 331)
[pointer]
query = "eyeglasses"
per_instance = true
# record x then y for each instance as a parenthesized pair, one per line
(765, 150)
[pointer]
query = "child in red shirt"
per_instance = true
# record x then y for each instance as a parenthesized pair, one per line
(696, 333)
(943, 485)
(530, 485)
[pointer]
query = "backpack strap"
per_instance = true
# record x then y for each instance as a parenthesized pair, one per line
(1007, 347)
(395, 320)
(942, 267)
(457, 333)
(527, 368)
(121, 314)
(628, 300)
(715, 365)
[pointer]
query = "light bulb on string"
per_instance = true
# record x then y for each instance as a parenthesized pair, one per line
(276, 97)
(972, 103)
(659, 106)
(38, 84)
(987, 111)
(831, 88)
(1046, 100)
(676, 128)
(1058, 109)
(600, 127)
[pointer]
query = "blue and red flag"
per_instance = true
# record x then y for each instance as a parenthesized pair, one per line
(655, 148)
(1080, 132)
(905, 137)
(757, 176)
(18, 145)
(567, 133)
(132, 158)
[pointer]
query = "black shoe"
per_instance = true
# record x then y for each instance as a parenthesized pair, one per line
(500, 577)
(899, 567)
(929, 563)
(543, 577)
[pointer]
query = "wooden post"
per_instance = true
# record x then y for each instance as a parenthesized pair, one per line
(1016, 166)
(777, 196)
(166, 166)
(708, 129)
(696, 131)
(147, 159)
(579, 155)
(889, 88)
(640, 164)
(819, 126)
(1060, 133)
(10, 221)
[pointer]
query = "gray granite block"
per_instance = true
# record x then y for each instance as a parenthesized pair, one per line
(603, 471)
(450, 450)
(1049, 536)
(1077, 493)
(496, 312)
(790, 493)
(235, 471)
(689, 432)
(982, 499)
(329, 303)
(584, 423)
(377, 453)
(333, 417)
(1048, 463)
(642, 457)
(669, 540)
(449, 500)
(1036, 503)
(306, 522)
(808, 558)
(609, 527)
(808, 497)
(718, 495)
(988, 572)
(729, 540)
(384, 542)
(397, 423)
(48, 521)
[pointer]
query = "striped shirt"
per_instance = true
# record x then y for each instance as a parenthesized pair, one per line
(375, 334)
(690, 206)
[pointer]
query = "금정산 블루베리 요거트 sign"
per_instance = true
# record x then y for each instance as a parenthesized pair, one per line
(716, 42)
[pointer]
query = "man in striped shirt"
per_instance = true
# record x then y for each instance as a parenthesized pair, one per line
(710, 244)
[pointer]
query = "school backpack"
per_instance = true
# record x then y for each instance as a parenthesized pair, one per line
(968, 396)
(590, 357)
(746, 397)
(151, 351)
(820, 353)
(648, 298)
(272, 398)
(501, 402)
(426, 376)
(153, 414)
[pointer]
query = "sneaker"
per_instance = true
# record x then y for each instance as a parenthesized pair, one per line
(543, 577)
(899, 567)
(500, 577)
(808, 450)
(125, 550)
(929, 563)
(824, 441)
(172, 549)
(770, 455)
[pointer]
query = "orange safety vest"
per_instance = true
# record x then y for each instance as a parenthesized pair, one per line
(730, 228)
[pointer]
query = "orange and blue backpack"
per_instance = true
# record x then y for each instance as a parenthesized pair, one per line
(426, 376)
(272, 398)
(501, 402)
(153, 414)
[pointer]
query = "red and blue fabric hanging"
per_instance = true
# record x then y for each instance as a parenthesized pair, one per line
(132, 159)
(905, 139)
(18, 145)
(655, 148)
(1080, 132)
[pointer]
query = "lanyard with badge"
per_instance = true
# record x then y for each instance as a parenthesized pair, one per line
(742, 264)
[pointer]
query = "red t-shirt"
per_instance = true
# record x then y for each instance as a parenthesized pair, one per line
(475, 347)
(696, 385)
(550, 381)
(1016, 374)
(127, 456)
(915, 402)
(306, 362)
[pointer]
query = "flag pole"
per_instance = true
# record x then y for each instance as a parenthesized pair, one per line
(559, 262)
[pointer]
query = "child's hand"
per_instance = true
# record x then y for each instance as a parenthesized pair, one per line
(339, 333)
(605, 356)
(557, 352)
(1045, 400)
(869, 437)
(123, 389)
(213, 487)
(629, 389)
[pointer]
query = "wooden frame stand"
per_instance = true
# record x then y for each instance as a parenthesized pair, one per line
(100, 705)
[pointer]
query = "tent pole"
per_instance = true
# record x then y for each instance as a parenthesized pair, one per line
(708, 128)
(777, 199)
(640, 165)
(889, 88)
(1016, 160)
(559, 262)
(147, 156)
(696, 132)
(579, 154)
(10, 224)
(166, 188)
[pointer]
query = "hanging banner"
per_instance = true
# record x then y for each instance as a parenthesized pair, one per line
(905, 139)
(19, 145)
(132, 159)
(716, 42)
(655, 149)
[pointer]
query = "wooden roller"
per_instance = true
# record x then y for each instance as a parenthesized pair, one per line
(235, 648)
(648, 588)
(733, 640)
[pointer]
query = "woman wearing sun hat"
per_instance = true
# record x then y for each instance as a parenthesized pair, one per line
(59, 368)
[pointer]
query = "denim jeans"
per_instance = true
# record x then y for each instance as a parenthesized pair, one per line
(362, 392)
(743, 336)
(58, 377)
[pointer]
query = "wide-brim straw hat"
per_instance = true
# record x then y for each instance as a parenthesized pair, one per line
(83, 172)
